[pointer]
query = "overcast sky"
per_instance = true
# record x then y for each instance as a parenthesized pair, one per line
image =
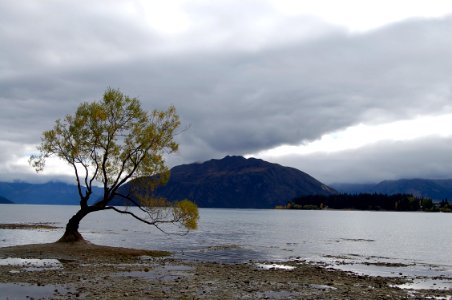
(347, 91)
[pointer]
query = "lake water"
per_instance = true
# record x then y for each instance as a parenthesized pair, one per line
(375, 243)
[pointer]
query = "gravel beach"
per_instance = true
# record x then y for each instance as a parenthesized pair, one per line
(87, 271)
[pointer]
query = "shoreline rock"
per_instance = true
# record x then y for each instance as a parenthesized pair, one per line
(87, 271)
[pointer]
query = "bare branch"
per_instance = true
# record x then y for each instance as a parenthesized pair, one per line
(154, 223)
(83, 200)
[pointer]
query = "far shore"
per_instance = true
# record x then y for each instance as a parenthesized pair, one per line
(48, 226)
(84, 271)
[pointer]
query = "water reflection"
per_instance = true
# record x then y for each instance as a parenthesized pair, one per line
(164, 273)
(28, 291)
(427, 283)
(221, 254)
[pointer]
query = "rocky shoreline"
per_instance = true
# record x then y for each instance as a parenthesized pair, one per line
(87, 271)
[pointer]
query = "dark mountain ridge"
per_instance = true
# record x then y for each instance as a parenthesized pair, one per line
(3, 200)
(234, 182)
(44, 193)
(237, 182)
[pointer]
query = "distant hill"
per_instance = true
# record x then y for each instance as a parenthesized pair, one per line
(234, 182)
(3, 200)
(46, 193)
(430, 188)
(237, 182)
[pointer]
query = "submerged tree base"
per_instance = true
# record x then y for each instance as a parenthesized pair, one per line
(71, 237)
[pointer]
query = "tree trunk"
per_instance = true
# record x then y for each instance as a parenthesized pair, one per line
(71, 234)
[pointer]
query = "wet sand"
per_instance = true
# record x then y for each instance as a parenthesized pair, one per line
(87, 271)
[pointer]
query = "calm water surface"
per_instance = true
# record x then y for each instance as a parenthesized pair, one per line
(376, 243)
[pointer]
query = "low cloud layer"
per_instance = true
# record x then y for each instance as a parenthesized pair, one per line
(238, 87)
(426, 158)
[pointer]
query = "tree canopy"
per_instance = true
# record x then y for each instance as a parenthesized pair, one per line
(111, 142)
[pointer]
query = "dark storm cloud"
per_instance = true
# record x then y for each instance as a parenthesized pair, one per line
(237, 91)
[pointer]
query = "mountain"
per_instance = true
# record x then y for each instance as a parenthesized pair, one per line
(233, 181)
(237, 182)
(46, 193)
(436, 189)
(3, 200)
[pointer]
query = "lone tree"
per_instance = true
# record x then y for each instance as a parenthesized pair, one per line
(113, 142)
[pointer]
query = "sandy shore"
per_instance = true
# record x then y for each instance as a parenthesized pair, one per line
(87, 271)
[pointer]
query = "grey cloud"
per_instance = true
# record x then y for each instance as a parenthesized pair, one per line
(251, 25)
(15, 167)
(54, 35)
(236, 98)
(291, 94)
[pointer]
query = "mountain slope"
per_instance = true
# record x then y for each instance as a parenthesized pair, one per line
(3, 200)
(46, 193)
(233, 182)
(430, 188)
(237, 182)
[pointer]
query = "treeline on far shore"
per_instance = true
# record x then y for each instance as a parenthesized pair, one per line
(397, 202)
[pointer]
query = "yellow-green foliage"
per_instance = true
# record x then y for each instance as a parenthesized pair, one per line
(114, 141)
(153, 202)
(188, 213)
(111, 140)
